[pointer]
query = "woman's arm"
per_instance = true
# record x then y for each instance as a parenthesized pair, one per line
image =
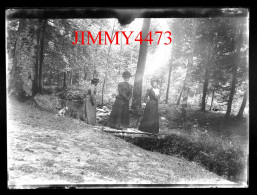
(146, 96)
(130, 92)
(122, 90)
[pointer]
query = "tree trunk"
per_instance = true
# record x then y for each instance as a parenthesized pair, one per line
(14, 67)
(16, 83)
(94, 66)
(180, 95)
(205, 87)
(64, 81)
(195, 93)
(137, 90)
(185, 97)
(241, 110)
(213, 91)
(161, 85)
(41, 57)
(232, 91)
(190, 63)
(50, 78)
(168, 86)
(106, 67)
(16, 73)
(206, 99)
(57, 81)
(35, 79)
(71, 77)
(206, 78)
(185, 86)
(234, 76)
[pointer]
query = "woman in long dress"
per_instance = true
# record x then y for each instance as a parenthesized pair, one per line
(119, 117)
(150, 120)
(90, 103)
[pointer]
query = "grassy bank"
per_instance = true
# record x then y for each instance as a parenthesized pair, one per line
(220, 149)
(203, 138)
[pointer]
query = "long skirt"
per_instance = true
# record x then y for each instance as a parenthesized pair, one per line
(89, 111)
(120, 114)
(150, 121)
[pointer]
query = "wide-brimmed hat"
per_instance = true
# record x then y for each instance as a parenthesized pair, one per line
(126, 74)
(154, 80)
(94, 80)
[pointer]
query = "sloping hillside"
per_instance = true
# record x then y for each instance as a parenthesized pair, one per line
(46, 149)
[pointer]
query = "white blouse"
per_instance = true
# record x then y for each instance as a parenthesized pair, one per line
(156, 91)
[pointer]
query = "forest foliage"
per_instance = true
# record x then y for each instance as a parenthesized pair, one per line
(206, 64)
(205, 68)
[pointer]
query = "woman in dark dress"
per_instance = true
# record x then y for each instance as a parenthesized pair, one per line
(90, 103)
(150, 121)
(119, 117)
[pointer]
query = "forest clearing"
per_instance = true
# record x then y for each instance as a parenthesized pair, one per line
(169, 106)
(45, 150)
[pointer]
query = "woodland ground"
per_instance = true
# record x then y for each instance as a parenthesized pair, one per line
(46, 149)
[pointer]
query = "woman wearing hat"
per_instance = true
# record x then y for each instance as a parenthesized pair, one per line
(150, 121)
(90, 103)
(119, 117)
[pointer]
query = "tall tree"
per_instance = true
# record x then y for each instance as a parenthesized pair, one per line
(212, 98)
(35, 79)
(194, 26)
(182, 90)
(206, 80)
(106, 66)
(41, 55)
(15, 74)
(234, 72)
(168, 86)
(64, 86)
(242, 107)
(137, 90)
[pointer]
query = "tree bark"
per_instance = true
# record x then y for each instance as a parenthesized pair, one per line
(242, 107)
(213, 91)
(206, 78)
(180, 95)
(138, 82)
(232, 91)
(205, 87)
(195, 93)
(64, 81)
(50, 78)
(185, 97)
(234, 77)
(106, 67)
(168, 86)
(35, 79)
(161, 84)
(57, 81)
(15, 74)
(71, 77)
(41, 57)
(190, 63)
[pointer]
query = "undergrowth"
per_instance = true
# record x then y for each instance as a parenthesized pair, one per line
(226, 161)
(223, 151)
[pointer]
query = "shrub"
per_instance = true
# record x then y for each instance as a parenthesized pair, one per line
(212, 153)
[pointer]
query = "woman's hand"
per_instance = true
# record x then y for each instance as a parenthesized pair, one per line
(143, 105)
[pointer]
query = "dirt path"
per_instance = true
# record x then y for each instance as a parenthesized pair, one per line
(46, 149)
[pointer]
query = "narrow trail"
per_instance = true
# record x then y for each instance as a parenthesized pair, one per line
(44, 149)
